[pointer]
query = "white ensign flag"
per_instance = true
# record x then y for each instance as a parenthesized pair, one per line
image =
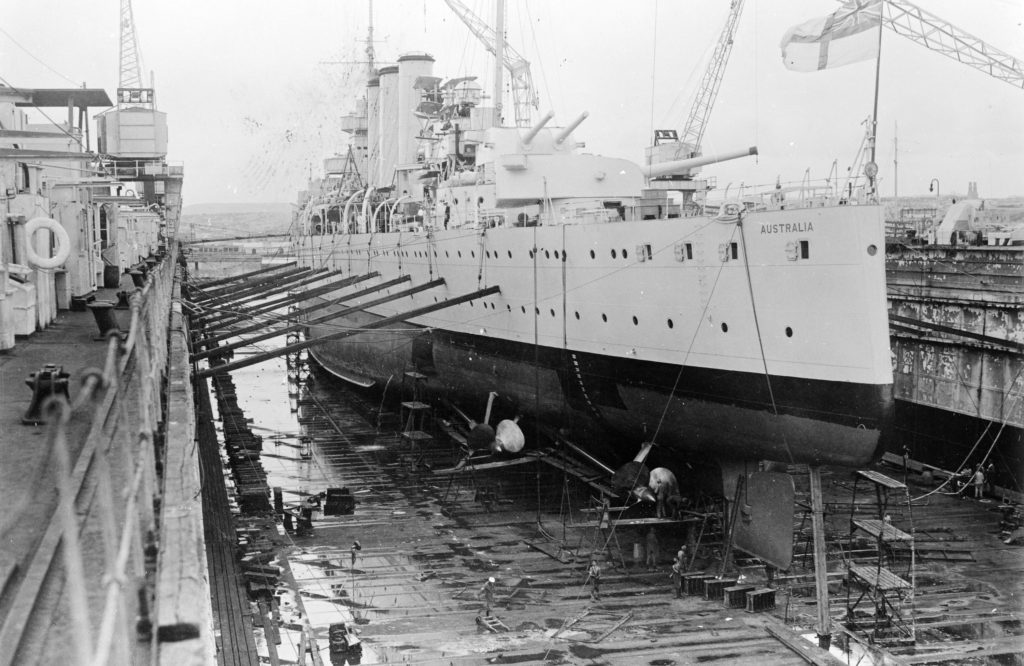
(848, 35)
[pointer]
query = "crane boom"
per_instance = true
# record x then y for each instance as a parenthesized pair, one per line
(939, 35)
(693, 131)
(523, 95)
(131, 71)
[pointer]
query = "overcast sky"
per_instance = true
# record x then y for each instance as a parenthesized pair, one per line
(253, 107)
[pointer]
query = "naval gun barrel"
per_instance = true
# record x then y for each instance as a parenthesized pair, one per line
(538, 127)
(564, 134)
(679, 166)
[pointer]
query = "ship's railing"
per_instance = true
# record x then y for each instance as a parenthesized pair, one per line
(155, 610)
(777, 196)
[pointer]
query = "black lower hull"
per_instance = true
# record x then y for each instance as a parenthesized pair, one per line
(714, 413)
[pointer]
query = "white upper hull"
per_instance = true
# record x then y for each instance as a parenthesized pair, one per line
(680, 291)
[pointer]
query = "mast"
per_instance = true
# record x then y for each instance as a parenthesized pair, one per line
(369, 45)
(871, 168)
(499, 59)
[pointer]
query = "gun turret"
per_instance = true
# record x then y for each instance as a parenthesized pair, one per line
(679, 167)
(537, 128)
(564, 134)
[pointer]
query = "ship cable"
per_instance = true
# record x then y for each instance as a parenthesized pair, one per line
(757, 328)
(963, 463)
(689, 348)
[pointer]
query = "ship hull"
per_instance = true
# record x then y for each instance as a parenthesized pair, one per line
(761, 340)
(696, 411)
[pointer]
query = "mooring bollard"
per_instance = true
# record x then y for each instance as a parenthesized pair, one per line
(50, 381)
(138, 278)
(122, 300)
(103, 312)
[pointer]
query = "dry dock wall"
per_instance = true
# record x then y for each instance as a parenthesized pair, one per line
(183, 616)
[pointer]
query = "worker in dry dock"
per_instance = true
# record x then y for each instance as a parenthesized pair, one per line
(979, 483)
(652, 549)
(356, 547)
(677, 577)
(488, 593)
(594, 577)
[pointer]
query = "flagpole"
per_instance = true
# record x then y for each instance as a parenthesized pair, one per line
(874, 112)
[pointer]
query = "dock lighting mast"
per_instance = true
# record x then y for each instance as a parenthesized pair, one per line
(523, 93)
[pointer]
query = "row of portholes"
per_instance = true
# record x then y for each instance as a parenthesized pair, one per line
(492, 255)
(604, 317)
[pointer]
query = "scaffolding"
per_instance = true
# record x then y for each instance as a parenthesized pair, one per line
(880, 589)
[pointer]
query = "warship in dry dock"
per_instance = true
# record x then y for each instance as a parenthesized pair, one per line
(592, 292)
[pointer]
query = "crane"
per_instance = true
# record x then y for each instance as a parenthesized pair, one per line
(130, 90)
(523, 94)
(668, 145)
(131, 69)
(936, 34)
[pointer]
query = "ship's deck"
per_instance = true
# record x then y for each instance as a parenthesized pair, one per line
(28, 490)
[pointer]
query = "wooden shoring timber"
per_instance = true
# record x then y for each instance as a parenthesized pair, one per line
(244, 276)
(263, 290)
(231, 291)
(216, 314)
(302, 312)
(229, 320)
(318, 320)
(381, 323)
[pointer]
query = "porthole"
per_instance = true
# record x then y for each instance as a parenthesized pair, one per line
(536, 311)
(531, 254)
(472, 253)
(592, 255)
(872, 250)
(725, 327)
(488, 254)
(547, 255)
(789, 332)
(670, 324)
(635, 320)
(435, 254)
(460, 254)
(524, 309)
(509, 307)
(604, 317)
(552, 312)
(446, 253)
(577, 314)
(625, 254)
(613, 254)
(556, 254)
(510, 254)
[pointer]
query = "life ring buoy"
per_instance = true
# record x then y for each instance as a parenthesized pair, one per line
(60, 237)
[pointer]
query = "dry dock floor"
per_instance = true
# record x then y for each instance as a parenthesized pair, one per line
(429, 542)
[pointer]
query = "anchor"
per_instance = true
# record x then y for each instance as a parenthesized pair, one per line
(50, 381)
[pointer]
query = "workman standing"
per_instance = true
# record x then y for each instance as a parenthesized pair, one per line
(681, 556)
(979, 483)
(488, 591)
(594, 576)
(356, 547)
(677, 578)
(652, 549)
